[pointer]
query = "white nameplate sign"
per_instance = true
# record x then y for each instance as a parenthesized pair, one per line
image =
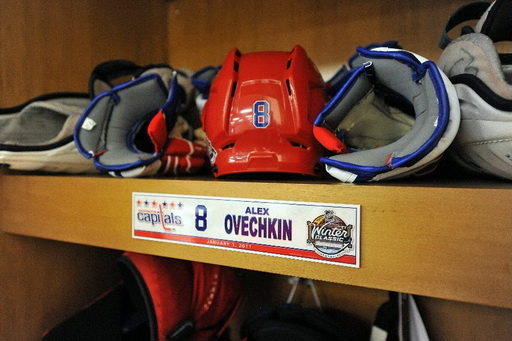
(319, 232)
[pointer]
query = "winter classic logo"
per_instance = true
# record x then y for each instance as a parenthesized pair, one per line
(329, 235)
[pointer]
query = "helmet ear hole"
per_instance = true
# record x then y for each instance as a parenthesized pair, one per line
(298, 145)
(288, 87)
(228, 146)
(233, 89)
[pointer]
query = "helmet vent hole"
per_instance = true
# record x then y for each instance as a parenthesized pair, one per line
(235, 66)
(298, 145)
(233, 89)
(230, 145)
(288, 87)
(288, 64)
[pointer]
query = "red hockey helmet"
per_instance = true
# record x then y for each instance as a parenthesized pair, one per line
(260, 112)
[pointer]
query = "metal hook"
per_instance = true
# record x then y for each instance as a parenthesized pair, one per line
(294, 281)
(311, 284)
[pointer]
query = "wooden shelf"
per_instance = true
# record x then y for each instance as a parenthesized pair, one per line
(446, 240)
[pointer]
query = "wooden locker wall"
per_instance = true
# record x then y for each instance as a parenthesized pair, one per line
(203, 32)
(52, 46)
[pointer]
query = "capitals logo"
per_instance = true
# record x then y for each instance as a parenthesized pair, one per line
(329, 235)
